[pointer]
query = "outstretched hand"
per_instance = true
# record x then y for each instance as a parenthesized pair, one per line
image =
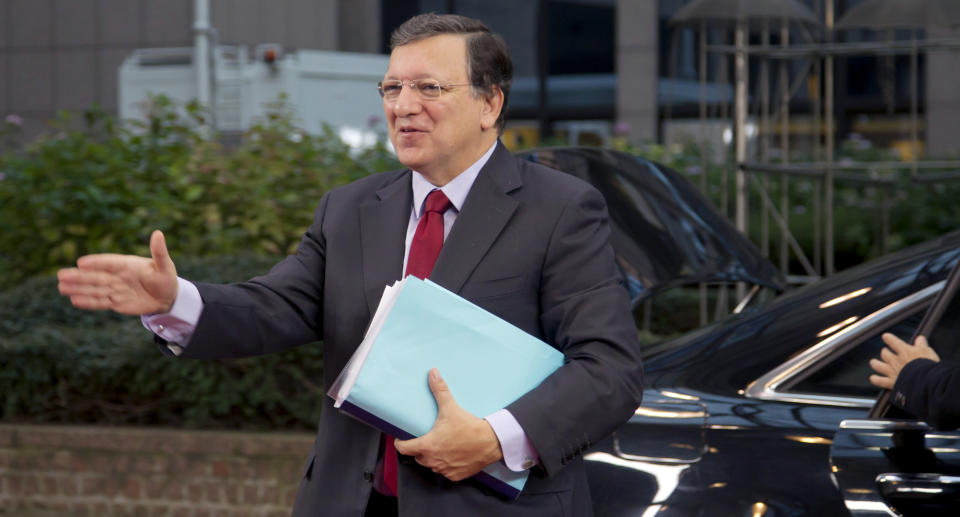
(127, 284)
(895, 356)
(459, 445)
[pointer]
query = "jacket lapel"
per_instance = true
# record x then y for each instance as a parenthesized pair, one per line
(383, 228)
(484, 214)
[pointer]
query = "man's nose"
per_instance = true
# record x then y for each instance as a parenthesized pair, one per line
(408, 102)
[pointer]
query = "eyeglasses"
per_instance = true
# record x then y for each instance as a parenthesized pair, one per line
(427, 88)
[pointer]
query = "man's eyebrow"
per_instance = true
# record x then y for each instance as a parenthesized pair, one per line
(414, 78)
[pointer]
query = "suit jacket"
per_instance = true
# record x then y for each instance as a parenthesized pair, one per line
(930, 391)
(531, 245)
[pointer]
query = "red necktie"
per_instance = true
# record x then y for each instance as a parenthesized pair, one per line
(424, 250)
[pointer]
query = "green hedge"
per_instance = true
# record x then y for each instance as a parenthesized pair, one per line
(62, 365)
(92, 185)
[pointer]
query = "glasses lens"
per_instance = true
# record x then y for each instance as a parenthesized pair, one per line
(428, 87)
(390, 89)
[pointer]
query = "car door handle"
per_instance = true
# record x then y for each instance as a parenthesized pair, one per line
(929, 487)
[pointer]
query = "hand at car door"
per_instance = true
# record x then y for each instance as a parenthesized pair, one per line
(895, 356)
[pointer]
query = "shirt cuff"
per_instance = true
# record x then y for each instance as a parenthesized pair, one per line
(177, 326)
(518, 452)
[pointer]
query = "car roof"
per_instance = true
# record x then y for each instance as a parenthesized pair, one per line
(665, 233)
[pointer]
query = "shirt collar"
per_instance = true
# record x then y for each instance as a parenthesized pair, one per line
(456, 190)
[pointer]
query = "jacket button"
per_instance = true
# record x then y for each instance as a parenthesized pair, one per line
(368, 476)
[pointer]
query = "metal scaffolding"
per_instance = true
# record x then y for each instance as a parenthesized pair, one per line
(804, 38)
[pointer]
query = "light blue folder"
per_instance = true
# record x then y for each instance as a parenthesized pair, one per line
(487, 363)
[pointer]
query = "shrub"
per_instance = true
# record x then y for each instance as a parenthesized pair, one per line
(63, 365)
(92, 186)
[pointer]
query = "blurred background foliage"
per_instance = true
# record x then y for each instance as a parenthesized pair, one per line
(104, 186)
(62, 365)
(230, 211)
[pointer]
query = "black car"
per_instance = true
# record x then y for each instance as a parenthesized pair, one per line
(738, 417)
(765, 413)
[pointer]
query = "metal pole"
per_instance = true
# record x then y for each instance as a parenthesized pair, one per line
(914, 86)
(817, 157)
(828, 173)
(764, 134)
(765, 199)
(672, 56)
(720, 308)
(784, 145)
(817, 225)
(201, 57)
(740, 133)
(884, 220)
(702, 72)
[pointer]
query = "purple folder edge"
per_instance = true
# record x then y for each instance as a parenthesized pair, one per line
(386, 427)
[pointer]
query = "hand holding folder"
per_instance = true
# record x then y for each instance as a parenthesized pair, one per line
(486, 362)
(459, 444)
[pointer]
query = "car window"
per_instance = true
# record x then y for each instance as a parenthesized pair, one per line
(945, 338)
(847, 375)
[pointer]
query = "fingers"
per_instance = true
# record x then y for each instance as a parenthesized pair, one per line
(159, 253)
(889, 357)
(881, 367)
(440, 390)
(91, 303)
(81, 281)
(881, 382)
(924, 350)
(905, 352)
(92, 290)
(423, 449)
(108, 262)
(896, 344)
(409, 447)
(420, 449)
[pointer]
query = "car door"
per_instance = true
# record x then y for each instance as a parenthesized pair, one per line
(894, 464)
(896, 467)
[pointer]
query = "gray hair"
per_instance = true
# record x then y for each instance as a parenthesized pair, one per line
(488, 60)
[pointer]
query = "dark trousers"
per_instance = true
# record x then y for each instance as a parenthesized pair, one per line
(381, 505)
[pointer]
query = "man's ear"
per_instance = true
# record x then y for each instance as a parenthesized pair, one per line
(491, 108)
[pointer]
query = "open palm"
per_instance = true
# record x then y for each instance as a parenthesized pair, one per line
(127, 284)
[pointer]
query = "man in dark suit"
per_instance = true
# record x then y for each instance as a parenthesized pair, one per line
(919, 382)
(525, 242)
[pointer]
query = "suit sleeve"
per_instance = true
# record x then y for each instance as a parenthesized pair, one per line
(268, 313)
(585, 312)
(930, 391)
